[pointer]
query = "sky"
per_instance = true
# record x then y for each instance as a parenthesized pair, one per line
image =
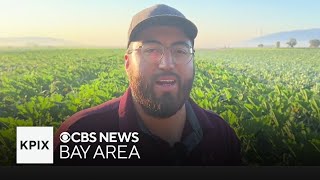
(105, 23)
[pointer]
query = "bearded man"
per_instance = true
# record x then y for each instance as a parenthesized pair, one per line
(172, 129)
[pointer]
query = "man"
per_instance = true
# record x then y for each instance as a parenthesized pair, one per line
(172, 129)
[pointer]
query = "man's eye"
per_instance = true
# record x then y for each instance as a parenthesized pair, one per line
(151, 50)
(181, 51)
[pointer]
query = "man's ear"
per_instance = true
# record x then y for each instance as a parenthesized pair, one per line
(127, 61)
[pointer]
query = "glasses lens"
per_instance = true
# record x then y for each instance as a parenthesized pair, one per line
(152, 51)
(181, 53)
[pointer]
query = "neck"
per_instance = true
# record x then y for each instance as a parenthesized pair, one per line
(169, 129)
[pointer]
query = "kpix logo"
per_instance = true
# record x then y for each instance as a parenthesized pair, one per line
(34, 145)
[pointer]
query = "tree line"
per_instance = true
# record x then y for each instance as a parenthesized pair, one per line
(314, 43)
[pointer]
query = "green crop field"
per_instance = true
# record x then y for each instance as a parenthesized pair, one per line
(271, 97)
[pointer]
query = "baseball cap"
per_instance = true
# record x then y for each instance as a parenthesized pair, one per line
(160, 14)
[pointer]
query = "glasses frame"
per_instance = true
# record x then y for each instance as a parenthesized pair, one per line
(191, 52)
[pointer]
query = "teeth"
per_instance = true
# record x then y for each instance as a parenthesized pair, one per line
(167, 81)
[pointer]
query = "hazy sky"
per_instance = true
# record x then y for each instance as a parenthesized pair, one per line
(105, 23)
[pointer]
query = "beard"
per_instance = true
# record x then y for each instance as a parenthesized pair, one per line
(166, 104)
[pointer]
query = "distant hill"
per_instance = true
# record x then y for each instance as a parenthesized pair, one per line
(302, 36)
(35, 42)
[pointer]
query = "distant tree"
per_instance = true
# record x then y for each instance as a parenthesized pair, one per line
(278, 44)
(314, 43)
(260, 45)
(292, 42)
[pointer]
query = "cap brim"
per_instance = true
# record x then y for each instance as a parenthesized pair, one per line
(187, 26)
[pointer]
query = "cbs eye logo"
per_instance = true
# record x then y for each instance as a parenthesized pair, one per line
(77, 137)
(65, 137)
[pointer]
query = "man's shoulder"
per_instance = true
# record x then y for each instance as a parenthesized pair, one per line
(214, 118)
(93, 117)
(208, 117)
(218, 131)
(212, 121)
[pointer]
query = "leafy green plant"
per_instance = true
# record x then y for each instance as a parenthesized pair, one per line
(271, 97)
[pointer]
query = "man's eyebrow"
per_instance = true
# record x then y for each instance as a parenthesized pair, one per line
(151, 41)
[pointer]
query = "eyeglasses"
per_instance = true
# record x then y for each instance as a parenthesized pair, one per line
(153, 52)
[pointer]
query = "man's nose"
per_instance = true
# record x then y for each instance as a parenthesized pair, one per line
(167, 61)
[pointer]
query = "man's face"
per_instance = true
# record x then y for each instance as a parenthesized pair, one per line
(160, 87)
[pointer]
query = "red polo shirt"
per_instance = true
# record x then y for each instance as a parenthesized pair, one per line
(207, 139)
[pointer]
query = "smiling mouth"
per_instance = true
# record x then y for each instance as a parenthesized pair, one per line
(166, 82)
